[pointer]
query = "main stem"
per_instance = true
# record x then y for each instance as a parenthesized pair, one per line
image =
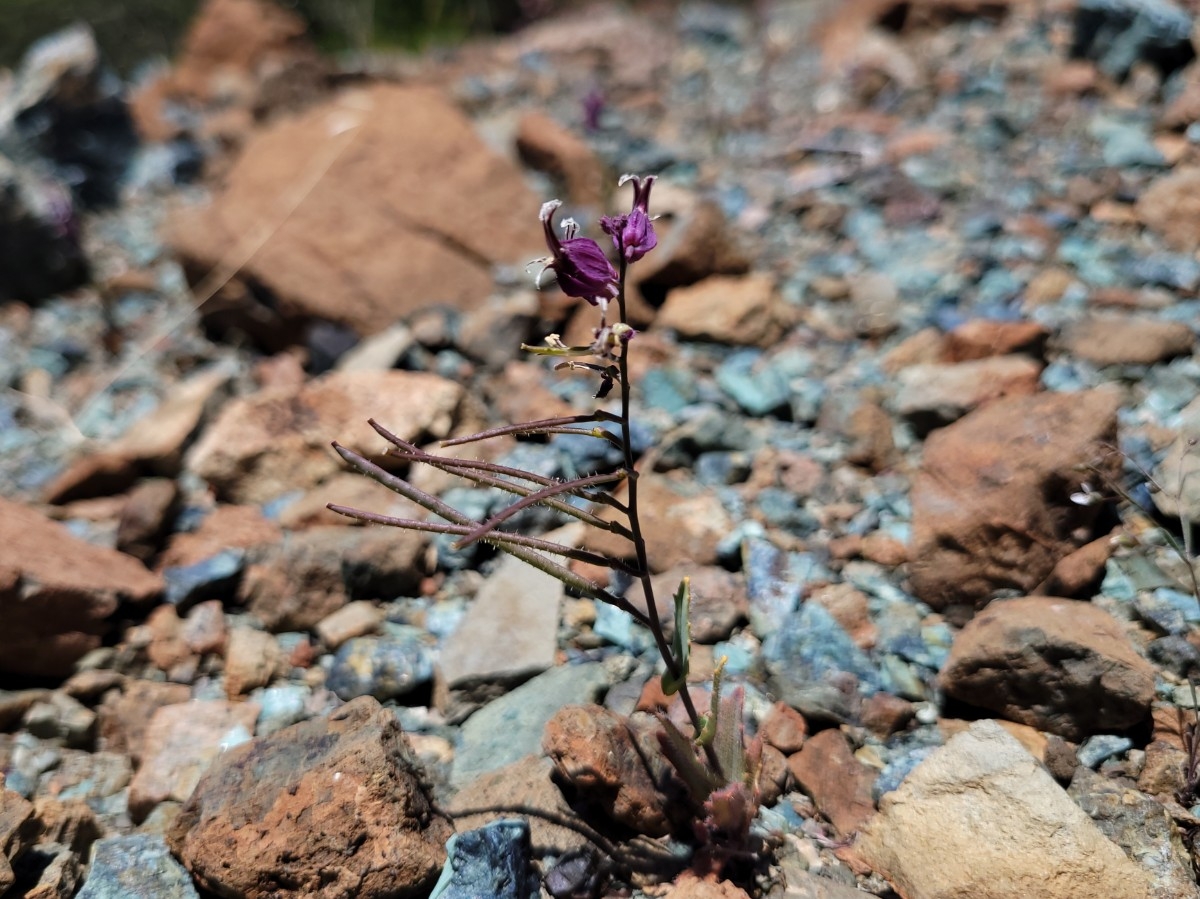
(639, 542)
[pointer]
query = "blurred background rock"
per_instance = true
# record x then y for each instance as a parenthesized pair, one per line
(132, 31)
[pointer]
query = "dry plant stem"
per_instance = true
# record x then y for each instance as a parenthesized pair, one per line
(501, 540)
(448, 512)
(532, 427)
(539, 496)
(639, 540)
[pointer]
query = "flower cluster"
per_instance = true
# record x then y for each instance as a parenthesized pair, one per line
(579, 263)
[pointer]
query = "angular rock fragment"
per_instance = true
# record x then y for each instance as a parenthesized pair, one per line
(1060, 665)
(992, 505)
(331, 807)
(1036, 841)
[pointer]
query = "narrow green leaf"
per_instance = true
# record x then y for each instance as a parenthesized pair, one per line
(681, 640)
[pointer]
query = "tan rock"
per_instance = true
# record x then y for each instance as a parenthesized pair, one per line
(547, 146)
(269, 443)
(57, 592)
(124, 714)
(991, 503)
(826, 769)
(980, 338)
(690, 886)
(1060, 665)
(523, 787)
(345, 787)
(745, 310)
(252, 659)
(355, 619)
(1127, 340)
(153, 444)
(1039, 842)
(304, 205)
(180, 743)
(1171, 207)
(1179, 471)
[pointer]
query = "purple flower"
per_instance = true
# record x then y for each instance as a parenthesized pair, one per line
(580, 265)
(633, 232)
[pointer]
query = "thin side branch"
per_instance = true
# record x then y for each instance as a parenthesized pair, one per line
(533, 427)
(546, 493)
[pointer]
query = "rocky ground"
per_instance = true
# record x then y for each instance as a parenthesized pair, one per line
(916, 401)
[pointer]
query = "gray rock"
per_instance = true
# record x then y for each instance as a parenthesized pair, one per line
(510, 630)
(40, 253)
(1118, 33)
(1141, 826)
(815, 666)
(1101, 747)
(511, 726)
(138, 866)
(383, 667)
(210, 578)
(493, 861)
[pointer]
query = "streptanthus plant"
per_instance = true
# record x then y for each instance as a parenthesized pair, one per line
(720, 771)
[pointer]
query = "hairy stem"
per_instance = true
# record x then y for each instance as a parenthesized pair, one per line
(639, 540)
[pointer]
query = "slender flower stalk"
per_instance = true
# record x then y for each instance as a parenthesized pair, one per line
(722, 775)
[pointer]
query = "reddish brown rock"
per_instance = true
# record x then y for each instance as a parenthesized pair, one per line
(1171, 206)
(827, 770)
(147, 517)
(124, 714)
(980, 338)
(784, 728)
(267, 444)
(226, 527)
(547, 146)
(884, 714)
(1080, 573)
(1125, 340)
(180, 743)
(321, 188)
(695, 241)
(295, 584)
(57, 592)
(603, 756)
(932, 395)
(681, 523)
(18, 830)
(991, 503)
(154, 444)
(718, 600)
(743, 311)
(848, 606)
(232, 45)
(1059, 665)
(252, 659)
(346, 788)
